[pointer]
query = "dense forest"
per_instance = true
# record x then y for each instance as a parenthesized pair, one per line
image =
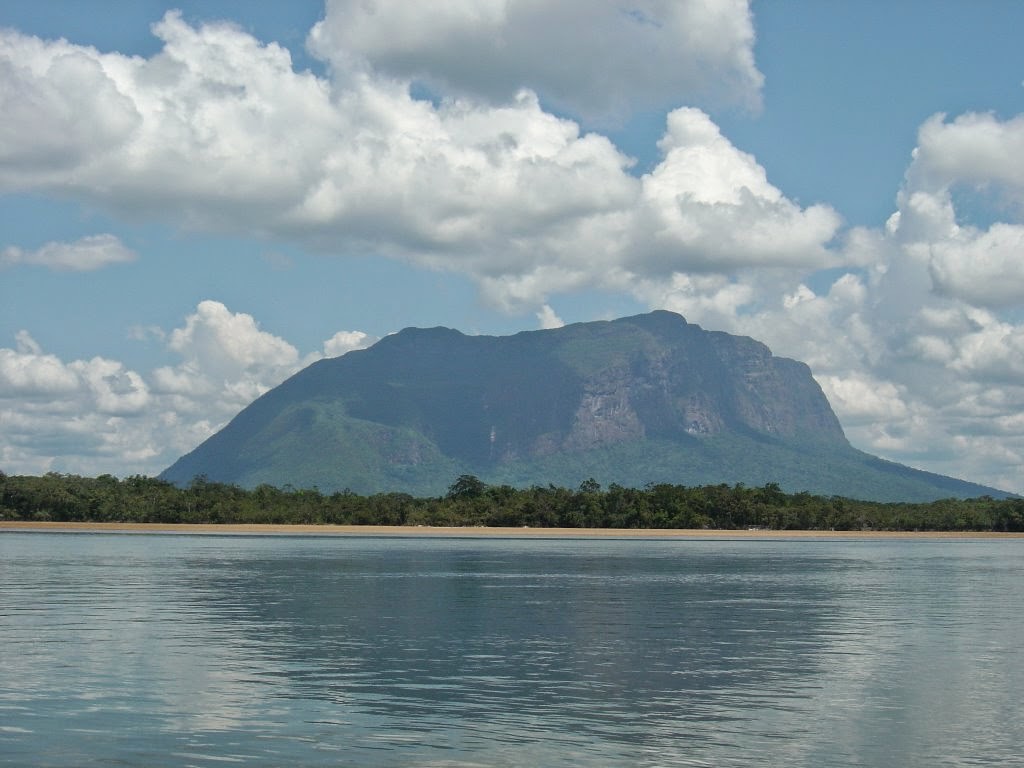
(470, 502)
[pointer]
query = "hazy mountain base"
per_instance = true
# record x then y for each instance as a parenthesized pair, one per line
(825, 470)
(314, 444)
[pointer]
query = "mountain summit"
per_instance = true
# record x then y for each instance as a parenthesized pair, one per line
(638, 400)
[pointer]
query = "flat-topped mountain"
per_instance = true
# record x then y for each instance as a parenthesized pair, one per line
(639, 400)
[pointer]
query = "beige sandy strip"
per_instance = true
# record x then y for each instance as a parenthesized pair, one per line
(482, 532)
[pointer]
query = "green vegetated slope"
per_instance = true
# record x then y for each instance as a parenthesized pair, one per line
(647, 399)
(835, 471)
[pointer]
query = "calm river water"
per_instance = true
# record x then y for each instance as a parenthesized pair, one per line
(168, 650)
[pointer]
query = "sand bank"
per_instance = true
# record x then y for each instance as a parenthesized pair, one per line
(481, 532)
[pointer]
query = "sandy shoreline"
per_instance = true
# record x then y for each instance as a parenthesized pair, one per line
(480, 532)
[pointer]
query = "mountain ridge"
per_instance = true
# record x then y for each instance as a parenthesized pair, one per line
(637, 400)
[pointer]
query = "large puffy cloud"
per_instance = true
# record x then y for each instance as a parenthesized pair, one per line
(219, 131)
(61, 108)
(592, 57)
(83, 255)
(226, 345)
(214, 117)
(77, 410)
(26, 371)
(344, 342)
(93, 416)
(947, 293)
(974, 153)
(709, 207)
(974, 148)
(991, 350)
(984, 268)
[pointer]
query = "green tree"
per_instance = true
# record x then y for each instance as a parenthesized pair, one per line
(466, 487)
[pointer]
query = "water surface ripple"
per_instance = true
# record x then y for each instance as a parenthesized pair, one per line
(166, 650)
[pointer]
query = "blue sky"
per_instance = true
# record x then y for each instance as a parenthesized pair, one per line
(199, 198)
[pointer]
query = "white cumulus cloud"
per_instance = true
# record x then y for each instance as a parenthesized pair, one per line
(985, 268)
(548, 318)
(346, 341)
(226, 344)
(712, 209)
(97, 415)
(973, 148)
(26, 371)
(592, 57)
(220, 132)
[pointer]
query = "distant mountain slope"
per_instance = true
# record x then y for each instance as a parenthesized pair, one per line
(633, 401)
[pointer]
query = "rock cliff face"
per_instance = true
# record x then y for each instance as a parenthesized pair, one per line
(642, 399)
(700, 384)
(489, 400)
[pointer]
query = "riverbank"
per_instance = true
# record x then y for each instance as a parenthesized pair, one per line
(484, 532)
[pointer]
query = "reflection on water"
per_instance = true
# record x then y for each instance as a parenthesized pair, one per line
(201, 651)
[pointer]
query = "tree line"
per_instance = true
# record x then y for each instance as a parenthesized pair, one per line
(471, 502)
